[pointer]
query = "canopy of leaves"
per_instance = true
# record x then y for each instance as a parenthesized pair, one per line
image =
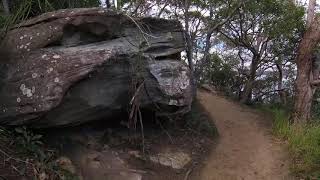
(270, 19)
(221, 73)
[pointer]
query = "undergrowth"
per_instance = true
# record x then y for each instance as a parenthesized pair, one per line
(24, 154)
(303, 143)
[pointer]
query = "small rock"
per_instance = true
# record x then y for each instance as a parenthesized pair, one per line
(56, 56)
(66, 164)
(135, 154)
(176, 160)
(43, 176)
(131, 176)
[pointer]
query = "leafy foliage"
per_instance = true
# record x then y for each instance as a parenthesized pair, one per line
(31, 146)
(29, 141)
(221, 74)
(24, 152)
(259, 32)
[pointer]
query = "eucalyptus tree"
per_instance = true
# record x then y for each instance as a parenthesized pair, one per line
(216, 18)
(255, 29)
(200, 19)
(307, 79)
(193, 14)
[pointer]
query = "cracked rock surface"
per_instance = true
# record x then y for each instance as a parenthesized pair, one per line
(73, 66)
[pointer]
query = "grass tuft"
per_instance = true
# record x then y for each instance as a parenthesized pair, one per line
(281, 125)
(303, 144)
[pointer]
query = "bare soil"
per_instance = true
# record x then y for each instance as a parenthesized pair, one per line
(89, 146)
(246, 149)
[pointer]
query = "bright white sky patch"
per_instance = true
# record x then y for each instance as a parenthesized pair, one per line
(103, 3)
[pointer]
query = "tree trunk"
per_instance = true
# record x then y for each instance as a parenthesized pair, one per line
(310, 12)
(115, 2)
(187, 34)
(206, 54)
(304, 92)
(281, 91)
(108, 4)
(305, 80)
(6, 6)
(189, 45)
(247, 92)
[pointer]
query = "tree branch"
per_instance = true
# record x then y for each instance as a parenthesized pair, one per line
(311, 12)
(217, 26)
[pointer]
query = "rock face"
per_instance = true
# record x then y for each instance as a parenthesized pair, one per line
(78, 65)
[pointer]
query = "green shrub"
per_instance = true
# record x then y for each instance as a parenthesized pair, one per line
(24, 152)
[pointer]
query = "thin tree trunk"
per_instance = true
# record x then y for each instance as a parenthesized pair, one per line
(108, 4)
(136, 9)
(6, 6)
(211, 30)
(189, 45)
(115, 3)
(247, 92)
(281, 91)
(206, 53)
(162, 10)
(188, 34)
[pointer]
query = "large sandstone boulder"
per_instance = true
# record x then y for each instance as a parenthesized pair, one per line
(79, 65)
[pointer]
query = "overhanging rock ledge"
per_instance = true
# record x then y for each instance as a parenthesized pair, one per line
(78, 65)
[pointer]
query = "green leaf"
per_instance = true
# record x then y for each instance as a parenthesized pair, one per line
(19, 130)
(37, 137)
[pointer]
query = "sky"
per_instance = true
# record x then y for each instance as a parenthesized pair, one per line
(103, 3)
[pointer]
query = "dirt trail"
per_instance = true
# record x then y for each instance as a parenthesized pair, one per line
(245, 149)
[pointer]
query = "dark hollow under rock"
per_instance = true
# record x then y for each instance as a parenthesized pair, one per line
(78, 65)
